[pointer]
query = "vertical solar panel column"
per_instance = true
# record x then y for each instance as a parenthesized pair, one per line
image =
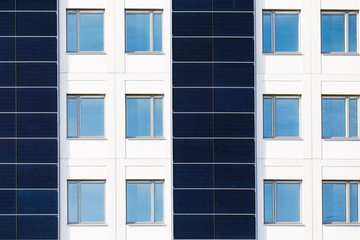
(28, 120)
(213, 119)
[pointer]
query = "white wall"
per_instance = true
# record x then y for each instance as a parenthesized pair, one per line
(114, 158)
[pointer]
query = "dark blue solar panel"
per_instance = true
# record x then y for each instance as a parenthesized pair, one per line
(36, 151)
(37, 176)
(36, 24)
(193, 150)
(7, 74)
(234, 100)
(8, 227)
(234, 49)
(193, 125)
(191, 5)
(36, 74)
(228, 24)
(233, 5)
(192, 49)
(234, 125)
(234, 227)
(7, 28)
(193, 227)
(193, 201)
(7, 151)
(7, 100)
(192, 24)
(193, 176)
(193, 100)
(7, 176)
(234, 150)
(37, 227)
(37, 125)
(234, 74)
(192, 74)
(235, 201)
(37, 100)
(7, 49)
(7, 202)
(234, 176)
(36, 49)
(36, 4)
(37, 202)
(7, 125)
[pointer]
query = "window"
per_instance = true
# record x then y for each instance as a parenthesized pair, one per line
(85, 116)
(144, 31)
(282, 201)
(145, 201)
(338, 32)
(280, 31)
(340, 116)
(85, 30)
(281, 116)
(144, 117)
(340, 202)
(86, 201)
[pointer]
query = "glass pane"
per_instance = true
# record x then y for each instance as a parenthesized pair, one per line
(268, 202)
(157, 32)
(72, 117)
(268, 131)
(138, 117)
(91, 116)
(71, 32)
(353, 118)
(93, 202)
(332, 33)
(354, 202)
(139, 202)
(91, 32)
(352, 33)
(288, 202)
(159, 203)
(333, 117)
(334, 202)
(72, 203)
(286, 32)
(287, 117)
(137, 32)
(158, 117)
(267, 32)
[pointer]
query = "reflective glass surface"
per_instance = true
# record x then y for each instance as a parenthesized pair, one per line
(353, 118)
(72, 202)
(159, 195)
(268, 117)
(138, 202)
(72, 117)
(91, 32)
(138, 117)
(157, 31)
(288, 202)
(352, 33)
(287, 117)
(91, 116)
(158, 117)
(332, 33)
(333, 117)
(286, 32)
(268, 202)
(138, 32)
(267, 44)
(334, 202)
(354, 205)
(92, 202)
(71, 32)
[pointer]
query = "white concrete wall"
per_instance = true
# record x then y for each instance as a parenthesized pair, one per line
(309, 158)
(114, 158)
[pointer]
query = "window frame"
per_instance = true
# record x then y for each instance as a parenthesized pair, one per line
(274, 183)
(78, 12)
(273, 106)
(151, 43)
(78, 120)
(152, 201)
(273, 13)
(79, 182)
(346, 30)
(347, 201)
(347, 116)
(152, 116)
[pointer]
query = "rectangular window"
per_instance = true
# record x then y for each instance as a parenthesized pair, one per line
(85, 116)
(143, 31)
(281, 116)
(340, 116)
(340, 202)
(144, 116)
(338, 32)
(280, 31)
(85, 30)
(282, 202)
(145, 201)
(86, 201)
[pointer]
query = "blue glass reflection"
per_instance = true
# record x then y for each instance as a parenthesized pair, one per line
(92, 202)
(158, 117)
(268, 202)
(267, 32)
(334, 202)
(333, 117)
(268, 112)
(332, 33)
(91, 32)
(72, 202)
(354, 202)
(138, 202)
(137, 32)
(286, 32)
(138, 117)
(353, 118)
(71, 32)
(352, 33)
(157, 32)
(288, 202)
(72, 117)
(159, 193)
(91, 116)
(287, 117)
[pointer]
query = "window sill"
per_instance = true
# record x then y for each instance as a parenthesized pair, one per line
(283, 138)
(341, 224)
(284, 224)
(87, 224)
(341, 54)
(283, 53)
(145, 53)
(87, 53)
(346, 139)
(86, 138)
(145, 138)
(146, 224)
